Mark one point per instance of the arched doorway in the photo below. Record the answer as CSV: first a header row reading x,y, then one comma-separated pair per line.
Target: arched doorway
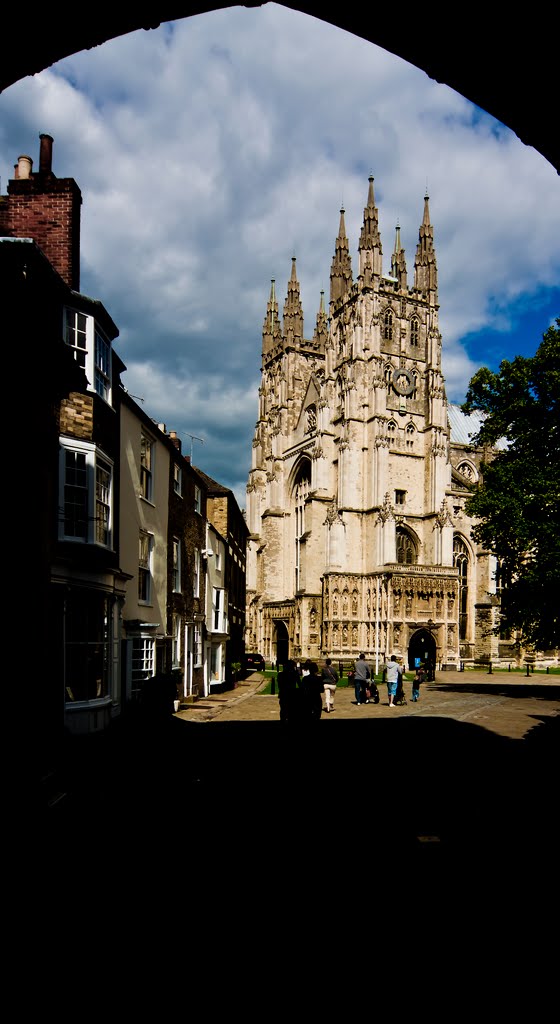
x,y
422,648
281,643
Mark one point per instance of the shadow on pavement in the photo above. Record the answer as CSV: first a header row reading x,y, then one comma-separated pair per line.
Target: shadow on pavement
x,y
416,790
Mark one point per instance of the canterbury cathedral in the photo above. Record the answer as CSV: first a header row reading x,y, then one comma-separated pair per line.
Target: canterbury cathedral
x,y
360,471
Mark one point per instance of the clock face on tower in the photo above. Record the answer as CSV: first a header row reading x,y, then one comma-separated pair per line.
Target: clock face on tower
x,y
403,381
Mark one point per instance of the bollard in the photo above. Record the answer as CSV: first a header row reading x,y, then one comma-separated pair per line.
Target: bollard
x,y
273,682
509,667
490,669
547,669
527,668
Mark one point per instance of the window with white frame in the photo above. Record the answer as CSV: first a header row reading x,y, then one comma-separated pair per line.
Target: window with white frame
x,y
177,479
102,365
143,660
103,476
216,662
176,564
197,499
92,350
176,641
146,466
85,494
197,645
146,543
196,573
218,610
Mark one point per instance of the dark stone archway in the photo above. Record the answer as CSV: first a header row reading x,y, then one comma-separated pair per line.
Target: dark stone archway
x,y
282,643
422,648
498,62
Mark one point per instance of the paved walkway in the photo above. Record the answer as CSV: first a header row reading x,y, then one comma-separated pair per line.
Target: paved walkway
x,y
507,704
464,780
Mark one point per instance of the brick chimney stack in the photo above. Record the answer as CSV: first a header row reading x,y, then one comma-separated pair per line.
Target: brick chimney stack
x,y
45,154
175,440
46,208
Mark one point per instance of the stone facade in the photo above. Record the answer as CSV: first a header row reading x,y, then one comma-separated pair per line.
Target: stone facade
x,y
355,500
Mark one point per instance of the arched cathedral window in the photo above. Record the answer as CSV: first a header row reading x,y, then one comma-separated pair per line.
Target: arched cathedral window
x,y
388,325
391,429
410,432
301,490
414,331
461,561
406,549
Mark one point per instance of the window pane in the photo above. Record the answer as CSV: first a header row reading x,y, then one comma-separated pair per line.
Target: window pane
x,y
75,495
102,501
87,647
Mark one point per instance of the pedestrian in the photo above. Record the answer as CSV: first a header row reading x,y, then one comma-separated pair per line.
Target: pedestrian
x,y
419,677
288,681
329,676
312,687
361,676
392,672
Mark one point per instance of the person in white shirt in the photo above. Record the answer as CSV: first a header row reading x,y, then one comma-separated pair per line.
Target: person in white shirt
x,y
391,671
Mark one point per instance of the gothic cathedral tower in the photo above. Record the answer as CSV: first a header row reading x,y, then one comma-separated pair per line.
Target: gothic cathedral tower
x,y
358,541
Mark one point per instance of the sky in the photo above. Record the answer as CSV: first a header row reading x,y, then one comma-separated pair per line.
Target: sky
x,y
213,149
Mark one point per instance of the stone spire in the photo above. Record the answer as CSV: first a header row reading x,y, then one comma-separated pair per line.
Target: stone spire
x,y
370,249
398,262
341,269
321,326
425,266
293,312
272,331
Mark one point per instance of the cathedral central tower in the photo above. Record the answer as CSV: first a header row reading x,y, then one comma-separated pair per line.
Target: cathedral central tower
x,y
350,493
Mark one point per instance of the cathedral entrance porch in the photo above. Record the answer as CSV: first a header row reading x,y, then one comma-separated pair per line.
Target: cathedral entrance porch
x,y
422,649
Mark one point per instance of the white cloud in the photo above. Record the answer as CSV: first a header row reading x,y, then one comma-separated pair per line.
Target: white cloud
x,y
212,150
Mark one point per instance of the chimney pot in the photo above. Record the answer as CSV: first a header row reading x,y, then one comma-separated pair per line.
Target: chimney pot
x,y
45,155
24,167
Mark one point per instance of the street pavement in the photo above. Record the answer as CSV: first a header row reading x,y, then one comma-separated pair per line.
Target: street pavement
x,y
467,778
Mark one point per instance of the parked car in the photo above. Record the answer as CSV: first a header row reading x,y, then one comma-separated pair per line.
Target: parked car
x,y
253,663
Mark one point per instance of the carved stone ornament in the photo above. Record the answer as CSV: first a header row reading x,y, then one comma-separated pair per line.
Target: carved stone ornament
x,y
333,515
386,512
403,381
443,517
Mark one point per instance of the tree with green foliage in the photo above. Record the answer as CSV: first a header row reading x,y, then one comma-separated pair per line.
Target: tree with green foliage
x,y
517,502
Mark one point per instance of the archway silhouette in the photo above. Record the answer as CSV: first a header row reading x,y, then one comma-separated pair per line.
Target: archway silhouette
x,y
497,63
422,649
282,642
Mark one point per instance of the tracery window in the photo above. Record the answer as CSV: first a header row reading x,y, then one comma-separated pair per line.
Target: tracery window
x,y
414,331
301,490
406,550
388,325
466,469
461,561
